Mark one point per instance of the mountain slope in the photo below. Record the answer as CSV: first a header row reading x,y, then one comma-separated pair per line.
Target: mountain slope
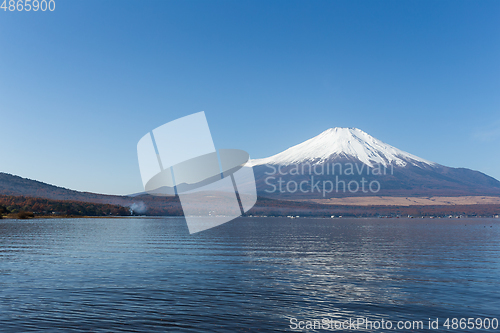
x,y
11,185
336,149
15,185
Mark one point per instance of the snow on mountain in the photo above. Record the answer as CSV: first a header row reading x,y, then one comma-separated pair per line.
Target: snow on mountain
x,y
350,143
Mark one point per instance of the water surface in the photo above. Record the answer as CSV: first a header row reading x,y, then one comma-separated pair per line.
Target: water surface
x,y
251,274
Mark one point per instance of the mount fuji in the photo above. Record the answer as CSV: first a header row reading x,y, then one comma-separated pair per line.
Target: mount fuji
x,y
343,155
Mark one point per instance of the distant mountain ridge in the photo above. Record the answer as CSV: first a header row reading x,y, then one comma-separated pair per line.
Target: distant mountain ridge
x,y
15,185
170,206
408,175
141,203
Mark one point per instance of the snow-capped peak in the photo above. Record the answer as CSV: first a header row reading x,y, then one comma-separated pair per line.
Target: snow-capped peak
x,y
350,143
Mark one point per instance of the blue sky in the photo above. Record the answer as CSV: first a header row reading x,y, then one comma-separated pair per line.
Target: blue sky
x,y
81,85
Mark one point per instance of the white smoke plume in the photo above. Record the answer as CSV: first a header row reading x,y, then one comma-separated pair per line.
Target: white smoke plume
x,y
138,208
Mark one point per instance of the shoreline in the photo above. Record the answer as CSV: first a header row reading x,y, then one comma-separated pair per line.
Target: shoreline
x,y
261,216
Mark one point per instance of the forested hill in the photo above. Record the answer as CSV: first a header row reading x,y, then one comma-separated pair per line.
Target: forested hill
x,y
11,185
18,186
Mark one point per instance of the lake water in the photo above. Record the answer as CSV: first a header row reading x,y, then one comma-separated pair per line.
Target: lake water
x,y
249,275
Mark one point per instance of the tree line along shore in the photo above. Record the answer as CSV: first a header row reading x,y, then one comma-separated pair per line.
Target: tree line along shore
x,y
21,207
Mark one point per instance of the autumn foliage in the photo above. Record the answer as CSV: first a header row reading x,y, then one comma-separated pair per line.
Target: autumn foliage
x,y
27,206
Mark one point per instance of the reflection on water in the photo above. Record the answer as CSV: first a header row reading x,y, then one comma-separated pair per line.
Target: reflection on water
x,y
146,274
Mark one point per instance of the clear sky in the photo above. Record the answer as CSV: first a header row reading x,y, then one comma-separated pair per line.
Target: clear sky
x,y
81,85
